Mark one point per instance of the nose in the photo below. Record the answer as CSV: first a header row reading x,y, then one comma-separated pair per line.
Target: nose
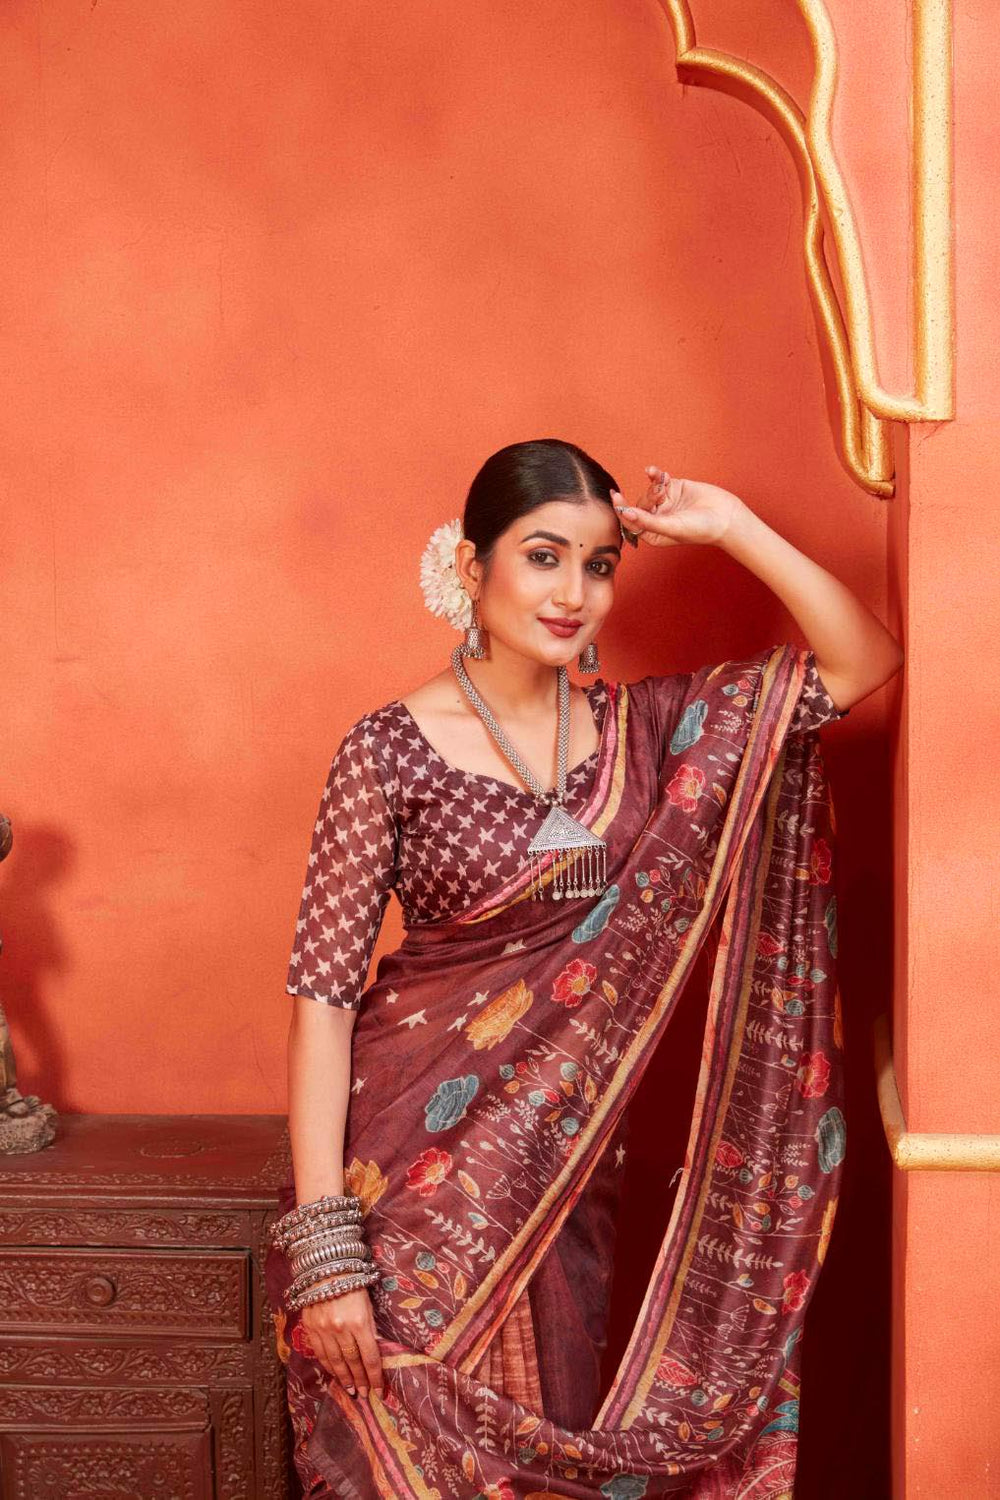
x,y
568,594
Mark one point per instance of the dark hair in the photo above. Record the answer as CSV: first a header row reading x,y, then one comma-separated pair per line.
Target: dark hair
x,y
517,479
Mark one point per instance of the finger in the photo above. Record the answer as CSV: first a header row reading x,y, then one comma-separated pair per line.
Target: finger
x,y
372,1356
649,527
619,501
350,1351
333,1362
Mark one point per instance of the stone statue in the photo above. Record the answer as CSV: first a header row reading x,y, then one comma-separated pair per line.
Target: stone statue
x,y
26,1124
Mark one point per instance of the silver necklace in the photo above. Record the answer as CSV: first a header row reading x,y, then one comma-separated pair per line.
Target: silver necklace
x,y
579,857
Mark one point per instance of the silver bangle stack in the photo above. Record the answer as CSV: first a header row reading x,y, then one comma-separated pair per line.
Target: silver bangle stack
x,y
320,1239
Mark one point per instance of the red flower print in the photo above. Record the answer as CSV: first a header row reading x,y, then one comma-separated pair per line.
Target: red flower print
x,y
767,946
813,1076
573,983
685,786
796,1285
728,1155
819,863
674,1374
500,1489
300,1341
430,1169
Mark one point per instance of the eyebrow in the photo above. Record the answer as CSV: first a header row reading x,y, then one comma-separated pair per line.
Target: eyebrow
x,y
550,536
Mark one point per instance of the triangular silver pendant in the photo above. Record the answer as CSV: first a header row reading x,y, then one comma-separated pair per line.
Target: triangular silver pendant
x,y
561,831
584,869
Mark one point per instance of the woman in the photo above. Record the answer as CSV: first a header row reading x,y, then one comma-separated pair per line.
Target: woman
x,y
561,854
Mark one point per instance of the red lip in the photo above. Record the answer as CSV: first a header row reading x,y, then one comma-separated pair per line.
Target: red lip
x,y
561,627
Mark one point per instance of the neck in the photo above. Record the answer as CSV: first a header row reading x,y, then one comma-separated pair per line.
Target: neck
x,y
514,686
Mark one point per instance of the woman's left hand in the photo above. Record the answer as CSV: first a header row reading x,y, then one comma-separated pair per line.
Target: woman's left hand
x,y
679,510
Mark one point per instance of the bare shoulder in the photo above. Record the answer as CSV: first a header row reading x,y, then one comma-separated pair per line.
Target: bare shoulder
x,y
437,696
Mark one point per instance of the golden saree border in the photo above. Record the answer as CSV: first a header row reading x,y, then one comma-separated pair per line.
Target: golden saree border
x,y
373,1429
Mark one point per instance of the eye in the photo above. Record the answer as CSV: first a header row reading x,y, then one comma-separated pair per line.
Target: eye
x,y
603,566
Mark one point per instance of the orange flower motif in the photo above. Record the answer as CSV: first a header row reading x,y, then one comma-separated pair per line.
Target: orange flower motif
x,y
495,1020
574,982
685,786
367,1180
426,1174
813,1076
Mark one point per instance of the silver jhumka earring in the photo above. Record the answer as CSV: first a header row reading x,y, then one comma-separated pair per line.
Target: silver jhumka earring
x,y
588,660
476,636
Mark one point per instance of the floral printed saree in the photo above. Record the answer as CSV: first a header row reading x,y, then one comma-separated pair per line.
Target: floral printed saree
x,y
481,1139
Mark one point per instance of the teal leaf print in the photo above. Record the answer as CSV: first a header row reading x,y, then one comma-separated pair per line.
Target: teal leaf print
x,y
625,1486
831,1136
787,1422
449,1101
598,916
688,729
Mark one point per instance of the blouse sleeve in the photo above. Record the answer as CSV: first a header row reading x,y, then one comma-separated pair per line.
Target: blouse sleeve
x,y
351,872
814,706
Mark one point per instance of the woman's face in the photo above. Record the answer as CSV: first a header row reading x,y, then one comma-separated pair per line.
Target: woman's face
x,y
557,563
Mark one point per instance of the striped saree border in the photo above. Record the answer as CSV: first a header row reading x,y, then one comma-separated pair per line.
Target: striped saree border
x,y
375,1433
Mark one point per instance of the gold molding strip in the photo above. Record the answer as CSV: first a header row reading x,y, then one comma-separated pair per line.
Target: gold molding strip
x,y
864,404
924,1151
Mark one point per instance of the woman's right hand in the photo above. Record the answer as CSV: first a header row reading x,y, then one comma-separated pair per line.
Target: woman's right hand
x,y
341,1331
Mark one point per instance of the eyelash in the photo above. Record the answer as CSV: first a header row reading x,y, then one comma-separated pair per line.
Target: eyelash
x,y
608,568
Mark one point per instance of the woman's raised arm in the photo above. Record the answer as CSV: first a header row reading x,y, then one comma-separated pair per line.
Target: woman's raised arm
x,y
854,652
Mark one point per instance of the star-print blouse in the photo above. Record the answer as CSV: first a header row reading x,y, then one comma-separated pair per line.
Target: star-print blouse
x,y
396,816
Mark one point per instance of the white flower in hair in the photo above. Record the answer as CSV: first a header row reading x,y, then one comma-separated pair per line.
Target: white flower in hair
x,y
444,593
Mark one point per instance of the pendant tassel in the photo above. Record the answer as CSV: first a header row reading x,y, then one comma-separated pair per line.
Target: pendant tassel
x,y
575,871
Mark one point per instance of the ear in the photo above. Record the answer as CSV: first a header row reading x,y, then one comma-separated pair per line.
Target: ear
x,y
468,569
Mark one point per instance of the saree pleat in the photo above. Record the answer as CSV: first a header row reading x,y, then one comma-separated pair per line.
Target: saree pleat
x,y
484,1141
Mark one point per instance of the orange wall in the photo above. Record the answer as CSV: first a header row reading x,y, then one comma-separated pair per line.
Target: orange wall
x,y
945,547
278,280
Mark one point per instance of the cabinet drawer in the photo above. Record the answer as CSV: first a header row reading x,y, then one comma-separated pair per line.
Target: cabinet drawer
x,y
112,1465
193,1293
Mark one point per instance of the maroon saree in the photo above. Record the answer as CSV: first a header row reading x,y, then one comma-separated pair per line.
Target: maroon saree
x,y
481,1139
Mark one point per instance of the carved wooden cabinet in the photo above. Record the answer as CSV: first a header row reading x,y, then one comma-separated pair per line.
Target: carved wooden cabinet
x,y
137,1348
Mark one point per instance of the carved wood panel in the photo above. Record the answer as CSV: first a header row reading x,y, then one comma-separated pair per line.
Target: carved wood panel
x,y
109,1466
151,1291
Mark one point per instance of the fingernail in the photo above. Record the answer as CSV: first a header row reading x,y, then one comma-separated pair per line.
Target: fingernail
x,y
351,1390
627,510
364,1390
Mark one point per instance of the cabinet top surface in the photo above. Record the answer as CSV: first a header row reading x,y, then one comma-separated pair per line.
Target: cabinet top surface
x,y
236,1157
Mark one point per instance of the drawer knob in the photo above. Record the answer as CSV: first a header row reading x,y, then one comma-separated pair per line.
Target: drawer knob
x,y
99,1290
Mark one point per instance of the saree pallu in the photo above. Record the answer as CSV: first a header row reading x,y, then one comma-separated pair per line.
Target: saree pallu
x,y
494,1058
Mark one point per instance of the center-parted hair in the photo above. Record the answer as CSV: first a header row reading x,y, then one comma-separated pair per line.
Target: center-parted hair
x,y
519,478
